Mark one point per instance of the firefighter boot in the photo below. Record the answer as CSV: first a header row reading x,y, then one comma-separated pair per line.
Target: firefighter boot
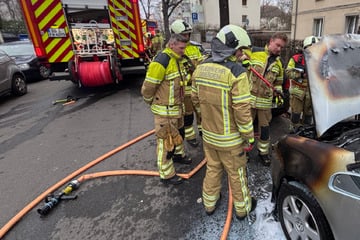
x,y
210,212
175,180
265,160
177,158
253,206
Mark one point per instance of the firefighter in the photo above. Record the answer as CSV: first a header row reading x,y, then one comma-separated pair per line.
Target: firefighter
x,y
221,94
266,61
163,90
148,46
300,101
157,42
192,57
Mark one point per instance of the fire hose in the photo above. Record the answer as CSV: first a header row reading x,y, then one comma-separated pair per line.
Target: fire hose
x,y
52,200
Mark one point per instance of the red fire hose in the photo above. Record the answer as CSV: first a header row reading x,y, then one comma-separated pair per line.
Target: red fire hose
x,y
265,81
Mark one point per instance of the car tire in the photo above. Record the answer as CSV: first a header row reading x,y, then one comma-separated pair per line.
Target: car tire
x,y
18,85
44,71
300,214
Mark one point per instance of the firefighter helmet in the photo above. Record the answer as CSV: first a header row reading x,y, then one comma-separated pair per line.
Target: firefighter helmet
x,y
180,27
308,41
234,36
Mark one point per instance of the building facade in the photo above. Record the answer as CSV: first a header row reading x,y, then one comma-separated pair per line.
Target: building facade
x,y
322,17
244,13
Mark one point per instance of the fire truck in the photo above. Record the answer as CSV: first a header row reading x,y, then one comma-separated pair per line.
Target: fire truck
x,y
149,26
90,42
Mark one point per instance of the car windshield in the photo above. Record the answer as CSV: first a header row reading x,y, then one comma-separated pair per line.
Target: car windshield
x,y
18,49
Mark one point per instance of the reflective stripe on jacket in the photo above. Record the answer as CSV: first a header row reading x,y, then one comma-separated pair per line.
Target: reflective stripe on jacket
x,y
162,87
299,85
220,92
272,69
193,54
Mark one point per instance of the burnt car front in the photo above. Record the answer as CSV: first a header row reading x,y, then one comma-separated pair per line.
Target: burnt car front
x,y
308,164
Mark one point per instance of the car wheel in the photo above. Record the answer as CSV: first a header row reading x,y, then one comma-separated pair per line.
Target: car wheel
x,y
300,214
44,72
18,85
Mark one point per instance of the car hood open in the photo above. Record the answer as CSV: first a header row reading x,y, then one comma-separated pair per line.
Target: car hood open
x,y
333,67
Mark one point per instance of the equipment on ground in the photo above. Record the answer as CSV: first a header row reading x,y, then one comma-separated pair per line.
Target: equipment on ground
x,y
53,199
90,42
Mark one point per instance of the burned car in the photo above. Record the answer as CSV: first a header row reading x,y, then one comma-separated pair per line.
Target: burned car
x,y
316,172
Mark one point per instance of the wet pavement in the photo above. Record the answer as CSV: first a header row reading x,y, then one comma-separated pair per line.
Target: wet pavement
x,y
119,207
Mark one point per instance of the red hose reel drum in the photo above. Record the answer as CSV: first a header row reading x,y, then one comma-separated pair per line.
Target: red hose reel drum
x,y
94,74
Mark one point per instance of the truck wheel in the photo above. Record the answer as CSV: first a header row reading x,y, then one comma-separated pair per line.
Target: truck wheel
x,y
73,75
115,70
18,85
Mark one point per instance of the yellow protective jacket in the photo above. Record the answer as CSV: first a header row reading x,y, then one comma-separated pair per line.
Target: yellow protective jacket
x,y
191,59
221,93
298,81
163,85
271,67
157,43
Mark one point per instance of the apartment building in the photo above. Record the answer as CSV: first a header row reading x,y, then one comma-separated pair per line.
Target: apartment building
x,y
321,17
244,13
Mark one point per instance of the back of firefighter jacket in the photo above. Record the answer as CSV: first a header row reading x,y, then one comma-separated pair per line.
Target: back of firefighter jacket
x,y
220,92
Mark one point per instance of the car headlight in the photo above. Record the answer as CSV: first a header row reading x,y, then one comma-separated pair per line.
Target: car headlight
x,y
24,66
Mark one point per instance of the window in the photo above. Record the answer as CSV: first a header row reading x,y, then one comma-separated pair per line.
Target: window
x,y
351,24
318,27
245,21
244,2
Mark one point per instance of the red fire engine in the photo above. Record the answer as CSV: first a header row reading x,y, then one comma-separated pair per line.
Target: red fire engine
x,y
96,41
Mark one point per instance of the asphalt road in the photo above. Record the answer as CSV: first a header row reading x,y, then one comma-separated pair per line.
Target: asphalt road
x,y
42,143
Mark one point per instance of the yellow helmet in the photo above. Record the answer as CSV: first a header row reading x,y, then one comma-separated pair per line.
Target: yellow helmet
x,y
234,36
180,27
310,40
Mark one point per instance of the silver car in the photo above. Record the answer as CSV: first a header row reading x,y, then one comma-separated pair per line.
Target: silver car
x,y
316,172
12,80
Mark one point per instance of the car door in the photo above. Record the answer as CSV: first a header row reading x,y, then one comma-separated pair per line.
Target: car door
x,y
5,82
347,211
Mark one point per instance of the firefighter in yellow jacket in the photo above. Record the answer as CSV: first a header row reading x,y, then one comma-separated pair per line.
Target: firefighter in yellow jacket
x,y
300,101
157,42
192,58
266,61
221,94
163,89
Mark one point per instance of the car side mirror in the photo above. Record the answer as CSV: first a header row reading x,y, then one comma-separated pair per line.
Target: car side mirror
x,y
346,183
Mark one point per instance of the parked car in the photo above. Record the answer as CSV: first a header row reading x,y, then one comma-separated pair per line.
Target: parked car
x,y
12,80
316,172
24,54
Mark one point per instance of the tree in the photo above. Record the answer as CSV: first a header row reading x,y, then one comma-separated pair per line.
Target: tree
x,y
146,6
10,10
168,7
281,11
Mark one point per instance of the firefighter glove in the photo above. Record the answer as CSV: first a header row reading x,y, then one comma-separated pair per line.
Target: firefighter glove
x,y
249,145
279,101
246,63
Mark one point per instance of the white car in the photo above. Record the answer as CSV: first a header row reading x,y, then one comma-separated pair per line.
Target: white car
x,y
12,80
316,172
